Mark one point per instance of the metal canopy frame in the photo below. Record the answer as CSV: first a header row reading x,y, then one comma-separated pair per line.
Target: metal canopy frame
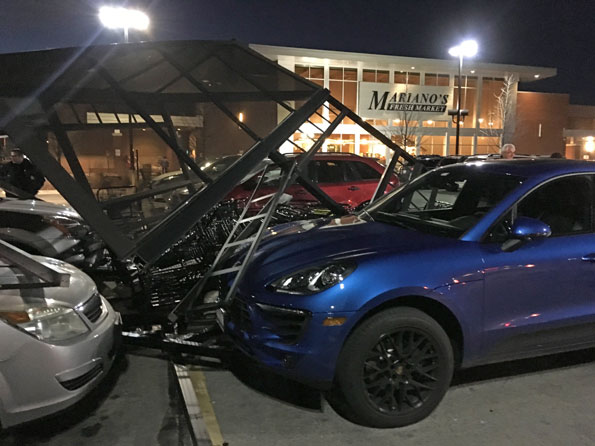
x,y
38,275
147,79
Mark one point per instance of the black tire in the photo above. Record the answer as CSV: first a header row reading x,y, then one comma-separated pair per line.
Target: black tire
x,y
394,369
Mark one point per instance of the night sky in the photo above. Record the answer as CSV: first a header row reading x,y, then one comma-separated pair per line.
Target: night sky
x,y
548,33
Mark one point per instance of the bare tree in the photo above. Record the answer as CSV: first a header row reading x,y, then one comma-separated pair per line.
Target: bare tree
x,y
504,112
406,130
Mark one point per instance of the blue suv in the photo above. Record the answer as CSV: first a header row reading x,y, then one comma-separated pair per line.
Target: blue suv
x,y
468,264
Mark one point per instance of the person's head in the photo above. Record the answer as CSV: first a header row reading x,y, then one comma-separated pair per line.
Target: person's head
x,y
507,151
16,156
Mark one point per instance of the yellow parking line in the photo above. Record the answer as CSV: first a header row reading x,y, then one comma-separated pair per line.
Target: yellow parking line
x,y
199,384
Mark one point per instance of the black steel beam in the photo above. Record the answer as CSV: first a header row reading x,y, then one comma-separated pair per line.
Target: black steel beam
x,y
384,180
173,135
68,150
181,220
397,150
199,86
103,126
156,100
305,182
131,198
31,267
180,76
19,193
372,130
275,156
23,133
151,123
269,94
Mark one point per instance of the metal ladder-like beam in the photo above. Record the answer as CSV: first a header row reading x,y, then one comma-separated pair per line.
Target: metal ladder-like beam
x,y
249,231
237,238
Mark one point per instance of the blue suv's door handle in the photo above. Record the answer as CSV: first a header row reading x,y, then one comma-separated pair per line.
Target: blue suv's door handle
x,y
589,258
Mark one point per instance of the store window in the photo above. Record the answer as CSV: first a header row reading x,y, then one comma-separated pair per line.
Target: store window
x,y
302,141
465,145
442,80
338,142
407,77
432,145
316,76
488,144
371,147
379,76
343,86
468,98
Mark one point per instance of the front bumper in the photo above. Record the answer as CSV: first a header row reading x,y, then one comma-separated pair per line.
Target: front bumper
x,y
307,352
39,379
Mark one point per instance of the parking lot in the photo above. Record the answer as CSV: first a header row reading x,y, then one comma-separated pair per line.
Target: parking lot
x,y
546,401
193,231
137,404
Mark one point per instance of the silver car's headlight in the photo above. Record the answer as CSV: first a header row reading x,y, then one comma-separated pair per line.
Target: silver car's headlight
x,y
49,324
313,280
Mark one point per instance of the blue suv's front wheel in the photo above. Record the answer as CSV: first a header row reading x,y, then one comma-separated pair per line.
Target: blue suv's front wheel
x,y
393,370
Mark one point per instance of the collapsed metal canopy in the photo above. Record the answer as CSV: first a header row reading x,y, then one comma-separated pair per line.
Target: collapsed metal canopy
x,y
66,90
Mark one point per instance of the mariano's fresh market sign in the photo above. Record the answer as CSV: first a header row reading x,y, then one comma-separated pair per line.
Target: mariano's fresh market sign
x,y
400,101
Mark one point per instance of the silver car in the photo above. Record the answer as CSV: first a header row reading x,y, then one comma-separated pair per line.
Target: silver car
x,y
49,229
56,343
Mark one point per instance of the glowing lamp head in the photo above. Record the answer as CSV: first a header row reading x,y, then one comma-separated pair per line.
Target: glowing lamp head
x,y
123,18
468,48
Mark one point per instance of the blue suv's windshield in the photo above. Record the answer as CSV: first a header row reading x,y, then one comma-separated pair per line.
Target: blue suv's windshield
x,y
446,202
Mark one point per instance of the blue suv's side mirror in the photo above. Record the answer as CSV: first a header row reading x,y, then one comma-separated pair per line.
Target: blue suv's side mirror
x,y
526,228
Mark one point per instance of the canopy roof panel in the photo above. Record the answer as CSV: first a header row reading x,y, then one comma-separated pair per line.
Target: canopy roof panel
x,y
164,70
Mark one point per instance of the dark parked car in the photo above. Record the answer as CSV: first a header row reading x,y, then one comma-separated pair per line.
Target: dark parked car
x,y
468,264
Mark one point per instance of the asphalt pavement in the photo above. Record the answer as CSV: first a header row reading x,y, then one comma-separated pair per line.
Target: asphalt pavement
x,y
138,404
543,401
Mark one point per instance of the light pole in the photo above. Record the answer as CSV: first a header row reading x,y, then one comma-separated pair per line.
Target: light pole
x,y
468,48
123,18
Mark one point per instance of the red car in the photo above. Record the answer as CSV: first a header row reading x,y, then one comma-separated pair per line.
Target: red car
x,y
348,179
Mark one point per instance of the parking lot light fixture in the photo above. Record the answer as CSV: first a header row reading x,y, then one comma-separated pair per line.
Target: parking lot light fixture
x,y
467,48
123,18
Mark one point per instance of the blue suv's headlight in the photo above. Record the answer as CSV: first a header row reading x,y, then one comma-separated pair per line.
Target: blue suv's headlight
x,y
314,279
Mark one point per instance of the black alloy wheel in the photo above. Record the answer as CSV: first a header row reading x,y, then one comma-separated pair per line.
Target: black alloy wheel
x,y
394,369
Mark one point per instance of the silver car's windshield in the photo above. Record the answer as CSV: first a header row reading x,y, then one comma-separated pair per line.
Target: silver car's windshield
x,y
445,201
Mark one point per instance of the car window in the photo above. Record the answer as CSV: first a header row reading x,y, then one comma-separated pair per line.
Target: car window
x,y
563,204
351,172
328,171
365,171
447,202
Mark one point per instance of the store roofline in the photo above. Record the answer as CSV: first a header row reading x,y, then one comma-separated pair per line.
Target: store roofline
x,y
381,61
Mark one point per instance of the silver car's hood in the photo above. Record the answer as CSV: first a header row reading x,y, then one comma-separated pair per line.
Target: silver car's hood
x,y
38,207
79,290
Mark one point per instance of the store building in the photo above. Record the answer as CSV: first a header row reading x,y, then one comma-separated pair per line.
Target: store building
x,y
406,98
410,98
